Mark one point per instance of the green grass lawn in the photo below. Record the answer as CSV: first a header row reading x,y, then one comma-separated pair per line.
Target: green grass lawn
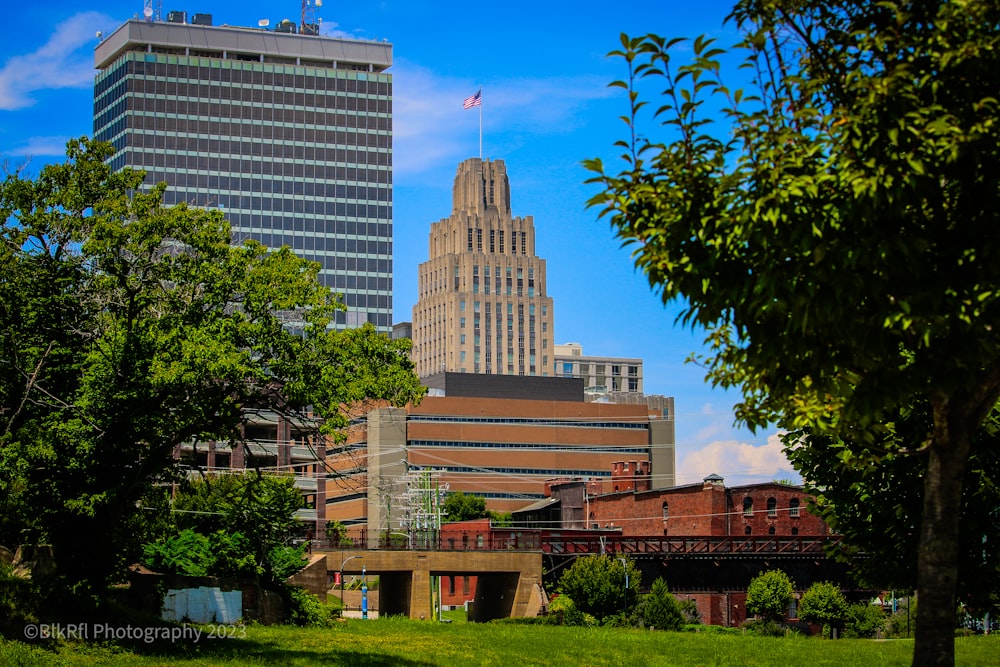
x,y
397,641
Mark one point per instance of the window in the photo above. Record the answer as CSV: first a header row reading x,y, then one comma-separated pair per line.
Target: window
x,y
772,507
793,508
770,530
747,531
747,506
666,511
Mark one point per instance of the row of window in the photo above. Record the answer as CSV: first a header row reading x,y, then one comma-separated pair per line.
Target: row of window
x,y
531,421
277,121
254,73
191,84
239,188
497,241
531,447
772,507
550,472
255,139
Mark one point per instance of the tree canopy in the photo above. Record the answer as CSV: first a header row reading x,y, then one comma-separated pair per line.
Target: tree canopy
x,y
130,329
596,584
459,506
769,595
823,603
833,226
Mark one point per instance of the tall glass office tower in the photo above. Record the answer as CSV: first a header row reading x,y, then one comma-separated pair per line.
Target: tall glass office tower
x,y
289,134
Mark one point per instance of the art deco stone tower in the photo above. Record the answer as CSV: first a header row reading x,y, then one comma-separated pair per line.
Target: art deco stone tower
x,y
482,306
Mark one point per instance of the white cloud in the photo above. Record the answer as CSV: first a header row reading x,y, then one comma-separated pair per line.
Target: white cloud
x,y
62,62
738,462
432,130
40,147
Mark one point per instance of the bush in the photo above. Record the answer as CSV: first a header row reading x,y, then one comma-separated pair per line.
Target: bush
x,y
769,595
304,608
689,609
187,553
864,621
286,561
660,609
825,605
764,627
903,623
597,584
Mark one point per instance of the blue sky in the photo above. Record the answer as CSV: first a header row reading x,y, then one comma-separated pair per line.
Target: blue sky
x,y
544,72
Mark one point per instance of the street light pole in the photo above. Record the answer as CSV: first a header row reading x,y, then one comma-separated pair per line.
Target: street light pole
x,y
349,558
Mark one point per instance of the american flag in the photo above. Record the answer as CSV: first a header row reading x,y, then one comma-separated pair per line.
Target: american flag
x,y
473,101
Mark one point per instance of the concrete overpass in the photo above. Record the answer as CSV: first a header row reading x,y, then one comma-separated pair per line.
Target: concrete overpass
x,y
509,582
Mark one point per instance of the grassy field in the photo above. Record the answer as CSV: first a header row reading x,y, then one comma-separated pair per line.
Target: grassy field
x,y
411,643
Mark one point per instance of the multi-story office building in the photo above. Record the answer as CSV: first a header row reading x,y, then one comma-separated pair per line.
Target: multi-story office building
x,y
496,437
289,134
601,375
609,379
482,305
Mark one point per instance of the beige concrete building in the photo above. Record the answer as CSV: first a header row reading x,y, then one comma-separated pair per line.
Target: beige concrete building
x,y
482,305
609,379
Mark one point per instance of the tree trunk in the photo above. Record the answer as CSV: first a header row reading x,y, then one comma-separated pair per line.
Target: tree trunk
x,y
937,564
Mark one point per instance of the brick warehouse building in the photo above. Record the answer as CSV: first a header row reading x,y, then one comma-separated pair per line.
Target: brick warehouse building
x,y
708,508
783,535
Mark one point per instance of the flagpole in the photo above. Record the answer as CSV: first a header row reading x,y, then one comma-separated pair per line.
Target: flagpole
x,y
480,124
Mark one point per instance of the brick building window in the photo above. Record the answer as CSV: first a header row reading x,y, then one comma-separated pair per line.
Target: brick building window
x,y
748,506
666,511
747,530
770,530
793,507
772,507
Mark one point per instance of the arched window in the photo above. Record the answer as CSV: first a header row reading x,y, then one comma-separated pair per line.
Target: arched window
x,y
795,531
747,530
747,506
793,507
770,530
772,507
666,511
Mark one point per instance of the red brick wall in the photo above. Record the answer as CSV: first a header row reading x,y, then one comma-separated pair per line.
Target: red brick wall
x,y
761,521
708,509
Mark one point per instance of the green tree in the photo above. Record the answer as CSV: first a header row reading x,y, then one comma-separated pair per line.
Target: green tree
x,y
769,595
459,506
596,584
878,507
836,233
249,518
131,328
825,605
660,609
187,552
864,621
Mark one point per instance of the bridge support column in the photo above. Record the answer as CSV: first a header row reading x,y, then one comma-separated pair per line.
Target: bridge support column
x,y
420,590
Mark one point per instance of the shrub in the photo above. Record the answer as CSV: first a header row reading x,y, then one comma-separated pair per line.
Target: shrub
x,y
304,608
825,605
597,584
660,609
187,553
864,621
769,595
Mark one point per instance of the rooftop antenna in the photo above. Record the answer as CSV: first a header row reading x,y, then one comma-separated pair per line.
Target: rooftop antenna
x,y
147,9
309,21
